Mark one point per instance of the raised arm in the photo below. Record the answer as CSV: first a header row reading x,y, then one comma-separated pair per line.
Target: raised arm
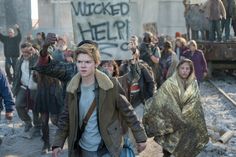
x,y
2,37
18,36
60,70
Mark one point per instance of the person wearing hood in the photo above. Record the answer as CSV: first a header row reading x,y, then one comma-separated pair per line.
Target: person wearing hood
x,y
174,115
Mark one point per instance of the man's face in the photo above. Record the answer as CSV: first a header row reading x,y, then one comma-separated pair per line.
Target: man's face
x,y
134,59
39,37
133,43
26,53
86,65
109,67
10,33
61,45
192,48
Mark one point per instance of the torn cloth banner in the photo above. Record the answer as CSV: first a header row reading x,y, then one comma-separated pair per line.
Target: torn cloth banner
x,y
105,21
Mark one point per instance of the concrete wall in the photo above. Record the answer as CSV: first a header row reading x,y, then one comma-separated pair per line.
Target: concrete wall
x,y
2,25
167,14
15,12
2,16
55,17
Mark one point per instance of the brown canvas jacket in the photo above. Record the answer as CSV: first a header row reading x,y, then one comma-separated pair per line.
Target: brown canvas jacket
x,y
109,109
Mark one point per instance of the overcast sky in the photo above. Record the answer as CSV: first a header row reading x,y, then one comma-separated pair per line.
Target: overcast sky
x,y
34,9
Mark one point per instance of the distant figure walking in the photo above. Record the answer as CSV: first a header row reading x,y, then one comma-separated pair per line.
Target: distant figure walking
x,y
11,50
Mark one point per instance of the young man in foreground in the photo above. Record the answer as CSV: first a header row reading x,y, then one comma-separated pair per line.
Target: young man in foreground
x,y
100,134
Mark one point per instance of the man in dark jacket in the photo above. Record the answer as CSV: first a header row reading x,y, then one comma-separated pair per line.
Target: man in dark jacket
x,y
6,97
11,50
150,53
24,100
139,85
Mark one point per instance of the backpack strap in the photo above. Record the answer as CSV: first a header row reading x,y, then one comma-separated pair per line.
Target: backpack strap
x,y
88,115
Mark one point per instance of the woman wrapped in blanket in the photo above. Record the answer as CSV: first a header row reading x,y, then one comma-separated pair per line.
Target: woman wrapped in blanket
x,y
174,115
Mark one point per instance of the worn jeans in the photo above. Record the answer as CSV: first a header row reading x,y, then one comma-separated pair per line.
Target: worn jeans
x,y
45,127
215,28
226,26
10,63
22,109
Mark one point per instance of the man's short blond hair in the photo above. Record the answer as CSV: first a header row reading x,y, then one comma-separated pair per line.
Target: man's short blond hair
x,y
90,50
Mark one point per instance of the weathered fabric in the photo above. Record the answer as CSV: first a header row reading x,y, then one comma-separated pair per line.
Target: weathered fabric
x,y
175,118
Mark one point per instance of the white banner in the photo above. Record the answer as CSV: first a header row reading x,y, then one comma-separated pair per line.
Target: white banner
x,y
196,1
105,21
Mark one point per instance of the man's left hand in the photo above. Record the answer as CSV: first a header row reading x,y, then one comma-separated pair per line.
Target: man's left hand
x,y
16,26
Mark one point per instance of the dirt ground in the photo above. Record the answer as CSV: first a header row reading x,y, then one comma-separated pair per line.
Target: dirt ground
x,y
16,143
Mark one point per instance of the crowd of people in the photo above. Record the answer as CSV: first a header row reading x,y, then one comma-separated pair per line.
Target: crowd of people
x,y
100,106
213,19
95,104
